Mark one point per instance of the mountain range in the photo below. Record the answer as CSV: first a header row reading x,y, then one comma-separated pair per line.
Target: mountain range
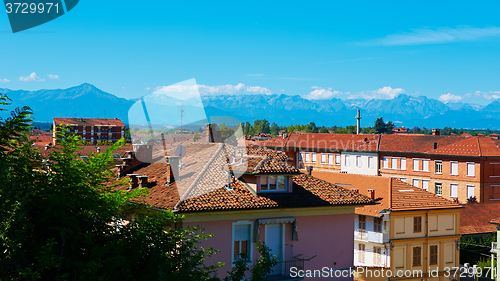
x,y
86,100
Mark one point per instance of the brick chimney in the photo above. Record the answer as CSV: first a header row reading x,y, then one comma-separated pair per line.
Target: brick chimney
x,y
134,181
355,190
172,169
371,193
98,150
436,132
435,145
143,181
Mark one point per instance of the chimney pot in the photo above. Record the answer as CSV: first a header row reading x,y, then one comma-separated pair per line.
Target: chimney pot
x,y
172,168
371,192
309,170
355,190
436,132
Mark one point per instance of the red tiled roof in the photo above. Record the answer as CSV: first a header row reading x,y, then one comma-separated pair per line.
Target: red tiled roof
x,y
407,197
389,192
475,218
362,184
307,192
89,121
326,141
415,143
206,190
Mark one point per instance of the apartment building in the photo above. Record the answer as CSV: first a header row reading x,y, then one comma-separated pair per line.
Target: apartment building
x,y
356,154
305,221
455,167
92,129
409,230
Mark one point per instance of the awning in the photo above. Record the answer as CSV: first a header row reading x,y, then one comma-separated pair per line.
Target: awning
x,y
291,220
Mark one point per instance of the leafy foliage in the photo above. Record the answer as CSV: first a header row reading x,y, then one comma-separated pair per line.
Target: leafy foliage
x,y
64,219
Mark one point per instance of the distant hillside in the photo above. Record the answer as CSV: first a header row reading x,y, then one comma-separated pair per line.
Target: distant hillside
x,y
88,101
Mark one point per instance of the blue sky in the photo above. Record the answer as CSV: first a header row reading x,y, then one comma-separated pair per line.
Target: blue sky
x,y
320,50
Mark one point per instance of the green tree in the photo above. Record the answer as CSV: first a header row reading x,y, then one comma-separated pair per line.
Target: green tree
x,y
248,130
63,218
379,125
275,129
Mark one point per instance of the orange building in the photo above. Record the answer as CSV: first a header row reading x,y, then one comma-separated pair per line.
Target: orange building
x,y
92,129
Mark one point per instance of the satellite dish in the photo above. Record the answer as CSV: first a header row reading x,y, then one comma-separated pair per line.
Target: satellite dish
x,y
180,151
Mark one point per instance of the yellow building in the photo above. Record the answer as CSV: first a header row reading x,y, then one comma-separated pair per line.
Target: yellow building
x,y
424,232
419,230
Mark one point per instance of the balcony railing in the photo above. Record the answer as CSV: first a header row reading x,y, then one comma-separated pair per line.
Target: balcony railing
x,y
282,270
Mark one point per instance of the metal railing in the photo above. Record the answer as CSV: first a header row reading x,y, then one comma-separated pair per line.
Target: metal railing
x,y
282,270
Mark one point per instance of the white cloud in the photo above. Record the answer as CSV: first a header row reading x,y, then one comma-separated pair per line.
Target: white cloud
x,y
52,76
214,90
147,88
322,94
449,98
31,77
491,95
434,36
385,93
4,80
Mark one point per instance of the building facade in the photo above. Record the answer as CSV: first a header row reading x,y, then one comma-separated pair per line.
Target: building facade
x,y
92,129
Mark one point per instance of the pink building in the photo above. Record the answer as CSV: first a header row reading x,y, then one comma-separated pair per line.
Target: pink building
x,y
307,222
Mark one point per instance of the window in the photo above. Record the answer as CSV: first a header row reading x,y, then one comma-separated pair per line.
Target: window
x,y
470,191
370,162
323,158
377,252
386,163
403,163
470,169
358,161
415,182
394,163
313,157
281,183
301,157
454,190
439,167
361,253
241,240
454,168
438,188
425,165
415,165
433,252
417,224
330,159
417,256
337,159
425,185
273,183
362,222
307,157
377,225
347,160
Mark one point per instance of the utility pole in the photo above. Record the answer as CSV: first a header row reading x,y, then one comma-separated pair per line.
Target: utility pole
x,y
358,122
182,111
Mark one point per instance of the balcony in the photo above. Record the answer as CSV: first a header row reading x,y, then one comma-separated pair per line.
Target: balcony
x,y
282,270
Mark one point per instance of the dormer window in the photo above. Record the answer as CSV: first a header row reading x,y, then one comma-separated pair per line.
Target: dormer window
x,y
273,183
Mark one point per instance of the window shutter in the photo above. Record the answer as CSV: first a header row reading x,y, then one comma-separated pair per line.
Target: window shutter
x,y
415,165
454,168
470,169
403,163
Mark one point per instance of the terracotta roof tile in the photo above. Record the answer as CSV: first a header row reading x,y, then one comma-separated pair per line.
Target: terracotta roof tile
x,y
381,186
408,197
475,218
88,121
207,189
389,192
332,142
